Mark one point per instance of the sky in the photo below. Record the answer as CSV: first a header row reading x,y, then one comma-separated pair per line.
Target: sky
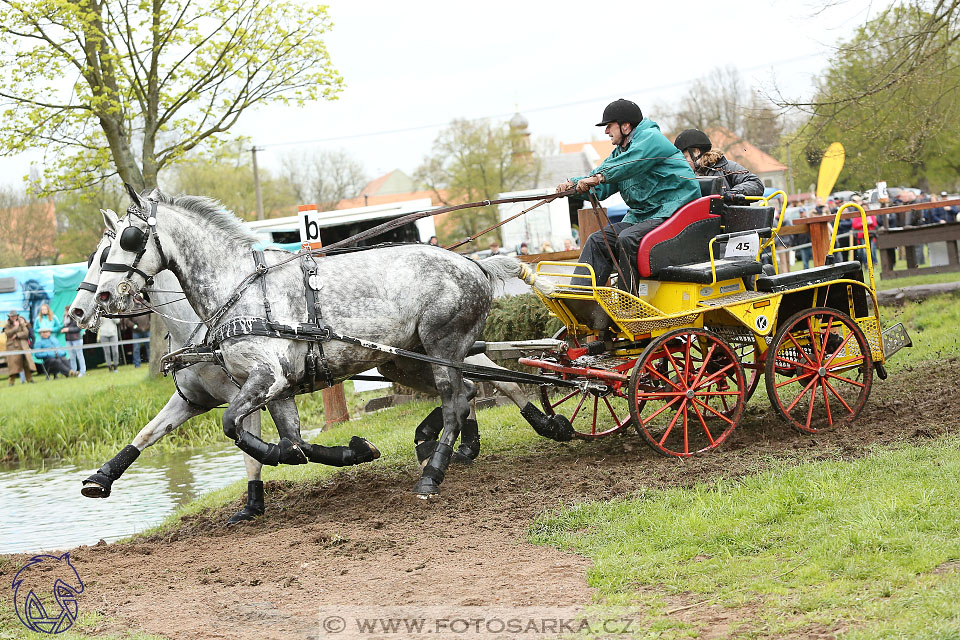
x,y
412,67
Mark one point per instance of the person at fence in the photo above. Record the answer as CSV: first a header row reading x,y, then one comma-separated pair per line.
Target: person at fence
x,y
139,328
857,229
17,331
494,248
707,161
74,337
53,357
433,241
46,320
524,249
651,176
950,213
109,335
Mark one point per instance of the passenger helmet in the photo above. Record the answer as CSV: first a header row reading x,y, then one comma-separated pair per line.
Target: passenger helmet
x,y
621,111
693,138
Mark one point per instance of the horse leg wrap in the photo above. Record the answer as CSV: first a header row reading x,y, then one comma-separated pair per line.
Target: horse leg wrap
x,y
426,433
268,454
357,452
469,447
254,506
101,481
553,427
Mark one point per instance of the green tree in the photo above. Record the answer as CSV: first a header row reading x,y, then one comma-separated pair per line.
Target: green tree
x,y
226,173
892,96
475,160
79,223
128,88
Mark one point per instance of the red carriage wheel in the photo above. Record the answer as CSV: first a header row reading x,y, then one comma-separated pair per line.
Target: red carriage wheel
x,y
687,392
819,370
598,409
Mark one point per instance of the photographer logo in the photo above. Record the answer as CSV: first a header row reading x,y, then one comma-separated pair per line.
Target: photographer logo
x,y
45,593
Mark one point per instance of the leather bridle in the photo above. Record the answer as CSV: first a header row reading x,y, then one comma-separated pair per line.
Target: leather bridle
x,y
134,238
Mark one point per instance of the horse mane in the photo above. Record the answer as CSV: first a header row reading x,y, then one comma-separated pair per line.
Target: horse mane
x,y
212,212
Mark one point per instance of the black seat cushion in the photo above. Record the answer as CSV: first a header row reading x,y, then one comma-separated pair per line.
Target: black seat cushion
x,y
702,273
816,275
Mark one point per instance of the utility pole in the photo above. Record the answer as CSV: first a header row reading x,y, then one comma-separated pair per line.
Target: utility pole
x,y
256,184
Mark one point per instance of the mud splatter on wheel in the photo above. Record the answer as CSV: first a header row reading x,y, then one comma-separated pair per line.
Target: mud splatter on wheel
x,y
819,370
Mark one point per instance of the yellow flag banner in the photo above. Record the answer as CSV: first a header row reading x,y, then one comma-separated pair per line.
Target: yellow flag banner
x,y
830,167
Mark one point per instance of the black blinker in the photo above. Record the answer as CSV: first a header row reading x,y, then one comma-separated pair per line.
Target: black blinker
x,y
132,239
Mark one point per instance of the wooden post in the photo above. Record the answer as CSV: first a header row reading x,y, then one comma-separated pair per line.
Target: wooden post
x,y
334,398
587,221
334,405
819,242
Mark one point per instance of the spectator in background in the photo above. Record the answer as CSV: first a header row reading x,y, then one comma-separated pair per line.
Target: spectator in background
x,y
950,213
46,320
859,254
494,248
74,338
433,241
139,328
17,331
524,249
54,359
109,335
805,253
547,247
568,244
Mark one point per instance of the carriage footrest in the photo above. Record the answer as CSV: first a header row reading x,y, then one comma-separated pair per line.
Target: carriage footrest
x,y
894,339
702,272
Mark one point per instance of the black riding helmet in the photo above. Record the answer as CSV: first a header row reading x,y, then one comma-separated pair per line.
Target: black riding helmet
x,y
621,111
693,138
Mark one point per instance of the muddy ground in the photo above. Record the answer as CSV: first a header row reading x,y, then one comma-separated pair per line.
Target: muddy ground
x,y
361,538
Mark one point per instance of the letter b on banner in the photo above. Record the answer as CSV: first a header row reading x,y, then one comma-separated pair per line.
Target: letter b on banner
x,y
309,226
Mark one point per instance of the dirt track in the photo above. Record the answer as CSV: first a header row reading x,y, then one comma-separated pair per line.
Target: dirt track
x,y
361,538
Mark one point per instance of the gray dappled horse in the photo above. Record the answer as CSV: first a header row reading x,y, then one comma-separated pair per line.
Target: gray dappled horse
x,y
413,297
203,386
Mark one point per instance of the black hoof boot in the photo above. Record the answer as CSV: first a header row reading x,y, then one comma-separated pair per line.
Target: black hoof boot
x,y
363,450
553,427
469,447
254,506
97,486
426,488
291,453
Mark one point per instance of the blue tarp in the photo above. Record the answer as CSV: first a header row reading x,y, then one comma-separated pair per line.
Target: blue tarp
x,y
54,284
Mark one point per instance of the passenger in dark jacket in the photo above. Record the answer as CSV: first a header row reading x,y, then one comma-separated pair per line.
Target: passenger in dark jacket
x,y
706,161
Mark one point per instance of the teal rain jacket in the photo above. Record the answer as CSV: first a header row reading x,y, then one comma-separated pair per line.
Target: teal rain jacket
x,y
651,175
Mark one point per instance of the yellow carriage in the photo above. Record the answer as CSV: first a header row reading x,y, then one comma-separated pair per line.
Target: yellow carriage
x,y
679,355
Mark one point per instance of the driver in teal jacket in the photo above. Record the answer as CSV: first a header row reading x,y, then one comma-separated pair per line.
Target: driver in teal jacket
x,y
650,174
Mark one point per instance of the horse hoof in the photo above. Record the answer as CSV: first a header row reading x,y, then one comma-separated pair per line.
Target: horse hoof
x,y
426,488
466,453
96,486
363,449
244,515
292,453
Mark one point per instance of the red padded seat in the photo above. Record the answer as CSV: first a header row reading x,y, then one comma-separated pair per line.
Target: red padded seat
x,y
683,238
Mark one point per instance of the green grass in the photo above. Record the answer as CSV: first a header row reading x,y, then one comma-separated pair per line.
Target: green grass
x,y
83,628
94,416
933,326
867,545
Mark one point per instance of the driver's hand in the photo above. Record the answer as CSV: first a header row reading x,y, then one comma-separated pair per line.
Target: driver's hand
x,y
564,186
586,183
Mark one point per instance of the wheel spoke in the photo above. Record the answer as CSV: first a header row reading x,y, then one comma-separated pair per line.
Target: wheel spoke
x,y
709,380
800,395
712,410
676,367
800,349
839,397
579,404
823,343
794,379
703,367
616,419
839,349
686,358
660,410
594,427
826,401
662,377
853,382
666,433
703,423
794,363
813,339
564,398
813,396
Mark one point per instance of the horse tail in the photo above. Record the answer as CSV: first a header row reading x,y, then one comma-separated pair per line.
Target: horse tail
x,y
500,268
